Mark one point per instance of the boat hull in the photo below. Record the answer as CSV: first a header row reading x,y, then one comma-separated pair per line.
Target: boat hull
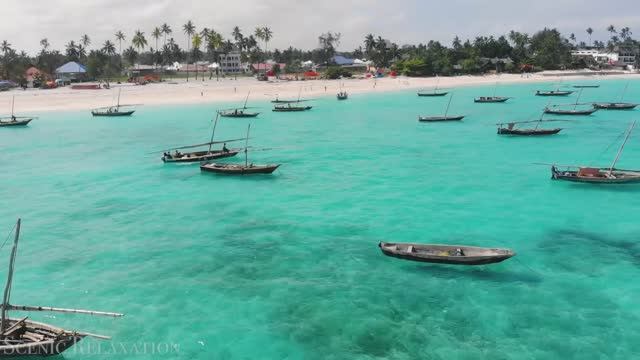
x,y
619,176
239,115
615,106
490,100
439,118
553,93
586,86
15,123
292,109
570,112
445,254
235,169
528,132
113,114
199,156
432,94
53,340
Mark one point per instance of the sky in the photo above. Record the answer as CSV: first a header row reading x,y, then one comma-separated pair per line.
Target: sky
x,y
299,22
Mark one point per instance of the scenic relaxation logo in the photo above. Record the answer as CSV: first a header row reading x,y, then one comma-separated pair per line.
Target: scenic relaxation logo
x,y
96,348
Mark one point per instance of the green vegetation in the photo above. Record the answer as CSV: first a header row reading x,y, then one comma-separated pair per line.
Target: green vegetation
x,y
336,72
547,49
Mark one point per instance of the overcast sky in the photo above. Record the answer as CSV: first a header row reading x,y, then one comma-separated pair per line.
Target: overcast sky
x,y
299,22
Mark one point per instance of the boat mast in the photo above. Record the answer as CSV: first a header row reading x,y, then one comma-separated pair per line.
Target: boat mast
x,y
624,91
495,89
449,104
246,146
215,123
7,289
247,99
118,106
299,93
437,83
578,99
13,102
622,147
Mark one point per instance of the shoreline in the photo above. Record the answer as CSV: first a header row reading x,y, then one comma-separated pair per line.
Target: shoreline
x,y
181,92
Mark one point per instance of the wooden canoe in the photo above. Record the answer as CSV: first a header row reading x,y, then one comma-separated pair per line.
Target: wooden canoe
x,y
237,114
198,156
440,118
569,112
113,113
36,339
432,94
238,169
615,106
596,175
287,108
15,122
446,254
528,132
554,93
490,99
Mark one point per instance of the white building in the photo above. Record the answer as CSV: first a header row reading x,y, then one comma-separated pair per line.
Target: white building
x,y
597,55
231,62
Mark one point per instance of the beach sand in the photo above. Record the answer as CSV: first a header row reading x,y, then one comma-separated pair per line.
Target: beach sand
x,y
229,90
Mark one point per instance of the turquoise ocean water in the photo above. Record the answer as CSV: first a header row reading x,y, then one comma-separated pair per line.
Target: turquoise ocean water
x,y
287,266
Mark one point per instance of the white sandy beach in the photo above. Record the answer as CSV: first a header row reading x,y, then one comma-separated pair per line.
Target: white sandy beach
x,y
234,91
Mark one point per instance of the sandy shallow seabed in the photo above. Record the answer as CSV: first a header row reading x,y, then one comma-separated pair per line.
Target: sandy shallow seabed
x,y
229,90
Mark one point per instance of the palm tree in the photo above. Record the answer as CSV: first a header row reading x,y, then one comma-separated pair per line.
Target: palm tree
x,y
589,31
611,29
85,40
131,55
109,48
6,49
625,33
189,29
572,37
156,35
139,41
267,35
166,30
120,37
45,44
369,44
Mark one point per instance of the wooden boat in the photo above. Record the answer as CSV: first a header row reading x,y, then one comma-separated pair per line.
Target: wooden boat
x,y
202,155
113,111
491,99
433,93
240,169
291,108
596,175
13,120
240,112
237,113
614,106
445,117
342,95
619,105
511,129
549,110
278,101
554,109
554,93
21,337
586,86
446,254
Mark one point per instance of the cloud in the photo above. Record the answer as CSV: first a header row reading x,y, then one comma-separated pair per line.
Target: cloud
x,y
298,23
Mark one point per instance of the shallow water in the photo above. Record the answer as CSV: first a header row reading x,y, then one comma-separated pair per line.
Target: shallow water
x,y
287,266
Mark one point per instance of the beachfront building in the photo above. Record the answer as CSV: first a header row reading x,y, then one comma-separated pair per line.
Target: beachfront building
x,y
231,63
627,56
597,56
71,72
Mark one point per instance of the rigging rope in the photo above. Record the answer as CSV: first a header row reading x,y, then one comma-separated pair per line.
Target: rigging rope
x,y
527,266
8,236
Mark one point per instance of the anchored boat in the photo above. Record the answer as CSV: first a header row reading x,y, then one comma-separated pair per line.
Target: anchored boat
x,y
14,120
240,112
114,110
445,117
446,254
596,175
240,169
21,337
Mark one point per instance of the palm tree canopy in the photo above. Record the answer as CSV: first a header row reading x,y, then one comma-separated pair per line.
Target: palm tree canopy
x,y
85,40
259,33
156,33
589,31
44,43
109,48
611,29
189,28
196,42
166,29
267,34
139,41
5,46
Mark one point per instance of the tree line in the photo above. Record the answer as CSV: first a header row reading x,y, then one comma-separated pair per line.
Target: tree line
x,y
544,49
